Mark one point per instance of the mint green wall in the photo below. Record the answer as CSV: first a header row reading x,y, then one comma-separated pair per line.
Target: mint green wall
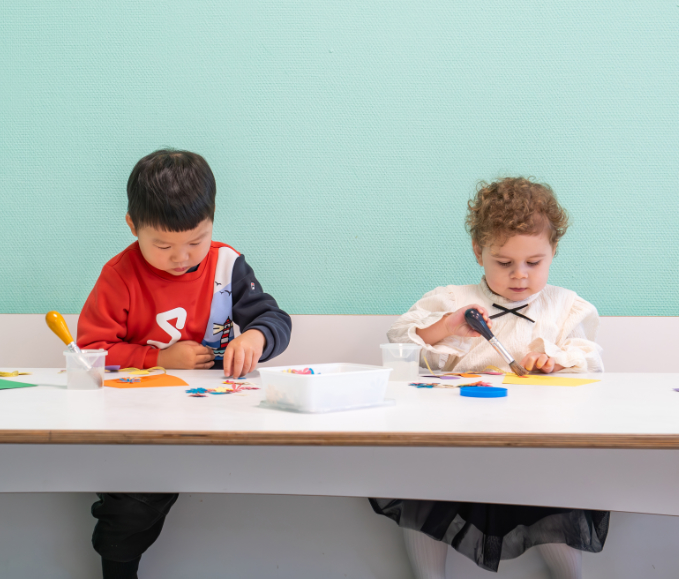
x,y
345,138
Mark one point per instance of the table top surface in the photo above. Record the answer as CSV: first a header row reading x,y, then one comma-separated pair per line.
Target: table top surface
x,y
620,411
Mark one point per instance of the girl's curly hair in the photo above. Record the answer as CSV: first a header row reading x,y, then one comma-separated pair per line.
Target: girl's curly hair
x,y
514,206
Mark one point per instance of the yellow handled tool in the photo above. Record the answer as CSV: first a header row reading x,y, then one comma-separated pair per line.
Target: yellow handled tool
x,y
57,323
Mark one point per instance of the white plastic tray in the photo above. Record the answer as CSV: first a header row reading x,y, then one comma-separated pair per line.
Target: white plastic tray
x,y
333,387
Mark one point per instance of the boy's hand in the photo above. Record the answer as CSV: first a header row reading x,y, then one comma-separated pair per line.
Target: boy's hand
x,y
540,362
243,353
456,325
186,355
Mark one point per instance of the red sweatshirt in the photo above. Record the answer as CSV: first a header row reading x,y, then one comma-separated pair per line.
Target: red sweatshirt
x,y
132,306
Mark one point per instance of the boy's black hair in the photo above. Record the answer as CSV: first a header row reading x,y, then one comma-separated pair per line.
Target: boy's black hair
x,y
171,190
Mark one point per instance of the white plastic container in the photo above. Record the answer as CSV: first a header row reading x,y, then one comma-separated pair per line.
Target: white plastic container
x,y
78,375
333,387
403,359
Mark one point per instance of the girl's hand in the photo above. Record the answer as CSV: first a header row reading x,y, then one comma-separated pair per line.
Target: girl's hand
x,y
186,355
456,325
243,353
540,362
452,325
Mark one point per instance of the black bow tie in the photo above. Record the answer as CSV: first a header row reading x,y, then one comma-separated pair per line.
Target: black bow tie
x,y
515,311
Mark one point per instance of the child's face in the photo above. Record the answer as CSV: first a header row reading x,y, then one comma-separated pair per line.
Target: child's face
x,y
519,268
173,251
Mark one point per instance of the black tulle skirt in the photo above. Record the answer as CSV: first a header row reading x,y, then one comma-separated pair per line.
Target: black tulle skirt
x,y
489,533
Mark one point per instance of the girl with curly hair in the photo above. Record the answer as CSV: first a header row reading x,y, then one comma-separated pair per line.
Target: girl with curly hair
x,y
515,226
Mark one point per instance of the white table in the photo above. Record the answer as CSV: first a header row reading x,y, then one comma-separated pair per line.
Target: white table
x,y
611,445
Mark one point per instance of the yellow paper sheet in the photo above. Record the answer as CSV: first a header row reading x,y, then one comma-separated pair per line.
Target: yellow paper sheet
x,y
546,380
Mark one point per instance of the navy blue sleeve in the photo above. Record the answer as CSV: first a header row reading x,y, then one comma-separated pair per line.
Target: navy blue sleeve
x,y
255,310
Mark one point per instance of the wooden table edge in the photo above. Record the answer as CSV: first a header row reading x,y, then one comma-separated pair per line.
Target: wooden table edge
x,y
420,439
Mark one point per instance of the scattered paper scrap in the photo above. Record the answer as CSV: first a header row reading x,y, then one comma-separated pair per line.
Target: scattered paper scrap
x,y
13,374
537,380
442,377
436,385
245,385
236,388
137,371
493,371
10,384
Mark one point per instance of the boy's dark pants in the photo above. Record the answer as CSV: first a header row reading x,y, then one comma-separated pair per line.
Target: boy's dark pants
x,y
128,524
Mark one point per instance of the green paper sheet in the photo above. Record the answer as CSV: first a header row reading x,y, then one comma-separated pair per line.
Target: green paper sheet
x,y
7,384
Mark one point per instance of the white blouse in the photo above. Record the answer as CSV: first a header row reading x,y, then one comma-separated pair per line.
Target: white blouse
x,y
565,329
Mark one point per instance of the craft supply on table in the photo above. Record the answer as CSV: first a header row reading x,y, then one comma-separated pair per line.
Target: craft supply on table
x,y
332,388
56,322
544,380
452,376
161,380
437,385
84,368
241,385
483,391
135,371
476,322
306,371
235,388
11,384
14,374
403,359
424,357
493,371
112,368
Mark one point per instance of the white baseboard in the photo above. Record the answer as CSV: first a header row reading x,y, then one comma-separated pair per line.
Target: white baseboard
x,y
631,344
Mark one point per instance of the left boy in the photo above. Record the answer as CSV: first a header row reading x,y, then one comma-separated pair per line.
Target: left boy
x,y
170,299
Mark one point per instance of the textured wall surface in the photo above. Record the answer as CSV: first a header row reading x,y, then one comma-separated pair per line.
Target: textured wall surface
x,y
345,138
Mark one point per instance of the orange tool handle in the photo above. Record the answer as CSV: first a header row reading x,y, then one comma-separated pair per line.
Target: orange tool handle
x,y
57,324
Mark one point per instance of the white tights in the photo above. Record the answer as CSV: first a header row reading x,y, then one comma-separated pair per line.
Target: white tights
x,y
563,561
428,557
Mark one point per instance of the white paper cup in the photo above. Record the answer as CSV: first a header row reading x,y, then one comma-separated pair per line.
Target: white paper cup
x,y
403,359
